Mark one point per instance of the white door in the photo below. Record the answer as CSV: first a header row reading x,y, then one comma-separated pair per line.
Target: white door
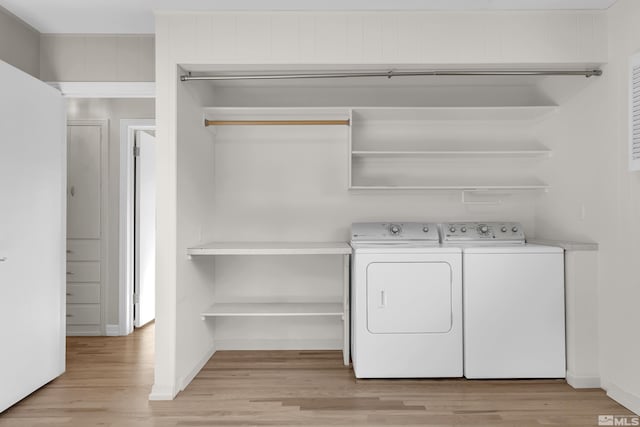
x,y
32,234
145,226
409,297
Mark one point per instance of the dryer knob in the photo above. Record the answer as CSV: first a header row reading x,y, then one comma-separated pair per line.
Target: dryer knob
x,y
503,229
395,229
425,229
484,229
514,229
452,229
463,229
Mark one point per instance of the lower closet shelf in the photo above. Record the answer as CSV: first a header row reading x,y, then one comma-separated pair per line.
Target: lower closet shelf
x,y
273,309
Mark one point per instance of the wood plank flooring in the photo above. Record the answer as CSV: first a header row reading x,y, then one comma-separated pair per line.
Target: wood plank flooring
x,y
108,380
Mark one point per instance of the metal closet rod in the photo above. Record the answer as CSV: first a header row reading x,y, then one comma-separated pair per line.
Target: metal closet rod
x,y
390,74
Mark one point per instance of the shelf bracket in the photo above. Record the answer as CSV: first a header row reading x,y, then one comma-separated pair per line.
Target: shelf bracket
x,y
478,202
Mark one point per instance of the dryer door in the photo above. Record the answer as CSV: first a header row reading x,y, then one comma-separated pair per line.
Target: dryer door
x,y
409,297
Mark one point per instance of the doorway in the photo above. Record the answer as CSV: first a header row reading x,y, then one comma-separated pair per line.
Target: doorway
x,y
137,224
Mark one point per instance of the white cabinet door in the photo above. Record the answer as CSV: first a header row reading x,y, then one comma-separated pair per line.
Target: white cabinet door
x,y
32,234
84,147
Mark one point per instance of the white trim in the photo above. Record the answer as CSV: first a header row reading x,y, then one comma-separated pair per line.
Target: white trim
x,y
125,287
106,89
577,381
628,400
113,330
104,212
186,380
162,393
278,344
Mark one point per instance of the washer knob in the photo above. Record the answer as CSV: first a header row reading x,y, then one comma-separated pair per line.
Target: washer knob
x,y
514,229
484,229
463,229
425,229
395,229
503,229
452,229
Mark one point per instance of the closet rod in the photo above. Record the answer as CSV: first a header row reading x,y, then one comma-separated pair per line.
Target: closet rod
x,y
275,122
390,74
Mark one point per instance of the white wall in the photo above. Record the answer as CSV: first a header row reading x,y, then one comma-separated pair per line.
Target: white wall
x,y
114,110
620,283
195,156
96,58
19,43
596,198
504,38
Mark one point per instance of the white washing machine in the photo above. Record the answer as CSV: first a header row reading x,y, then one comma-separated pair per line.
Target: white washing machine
x,y
513,299
406,302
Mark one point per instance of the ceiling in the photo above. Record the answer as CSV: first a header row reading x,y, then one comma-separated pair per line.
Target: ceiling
x,y
136,16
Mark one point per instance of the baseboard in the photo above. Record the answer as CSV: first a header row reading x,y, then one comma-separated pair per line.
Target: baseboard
x,y
626,399
579,381
113,330
186,380
83,333
294,344
162,392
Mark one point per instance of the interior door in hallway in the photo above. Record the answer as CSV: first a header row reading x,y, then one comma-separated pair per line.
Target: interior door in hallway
x,y
145,229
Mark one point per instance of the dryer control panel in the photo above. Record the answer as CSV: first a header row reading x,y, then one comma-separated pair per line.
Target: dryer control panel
x,y
394,231
471,232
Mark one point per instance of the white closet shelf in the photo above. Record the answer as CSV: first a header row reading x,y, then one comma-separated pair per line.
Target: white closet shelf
x,y
273,309
271,248
474,187
252,114
453,113
452,153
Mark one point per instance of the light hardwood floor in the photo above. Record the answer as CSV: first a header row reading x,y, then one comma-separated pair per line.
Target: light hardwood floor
x,y
108,380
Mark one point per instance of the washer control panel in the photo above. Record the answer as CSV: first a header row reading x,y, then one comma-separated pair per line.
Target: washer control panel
x,y
390,231
511,232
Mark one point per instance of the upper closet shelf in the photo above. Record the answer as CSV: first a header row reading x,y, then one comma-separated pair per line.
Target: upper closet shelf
x,y
452,153
271,248
239,116
453,113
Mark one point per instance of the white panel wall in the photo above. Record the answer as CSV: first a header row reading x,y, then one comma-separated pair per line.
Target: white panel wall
x,y
388,37
96,58
329,39
596,198
195,158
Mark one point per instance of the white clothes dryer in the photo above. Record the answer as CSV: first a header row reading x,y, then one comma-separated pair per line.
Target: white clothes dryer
x,y
406,302
513,299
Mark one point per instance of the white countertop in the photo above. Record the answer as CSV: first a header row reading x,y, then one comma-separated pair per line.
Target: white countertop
x,y
566,244
271,248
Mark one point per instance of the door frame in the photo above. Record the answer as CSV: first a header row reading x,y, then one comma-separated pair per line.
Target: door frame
x,y
128,128
104,212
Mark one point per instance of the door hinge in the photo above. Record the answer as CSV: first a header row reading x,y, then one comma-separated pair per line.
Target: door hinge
x,y
136,151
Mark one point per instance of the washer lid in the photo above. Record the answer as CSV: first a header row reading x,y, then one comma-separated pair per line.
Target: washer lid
x,y
394,232
513,249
